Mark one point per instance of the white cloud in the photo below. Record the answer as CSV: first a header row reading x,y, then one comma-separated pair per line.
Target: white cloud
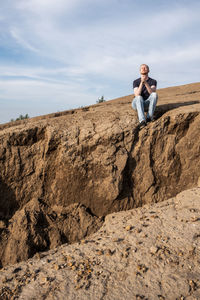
x,y
98,40
85,46
96,43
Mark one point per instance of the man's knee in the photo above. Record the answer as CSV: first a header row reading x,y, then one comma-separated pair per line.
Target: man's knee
x,y
136,101
154,95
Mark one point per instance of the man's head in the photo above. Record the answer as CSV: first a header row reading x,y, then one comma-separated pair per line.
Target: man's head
x,y
144,69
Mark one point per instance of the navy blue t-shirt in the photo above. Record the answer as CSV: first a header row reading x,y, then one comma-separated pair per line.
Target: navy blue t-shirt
x,y
145,94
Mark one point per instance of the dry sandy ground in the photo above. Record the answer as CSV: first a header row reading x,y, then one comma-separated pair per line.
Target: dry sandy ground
x,y
151,253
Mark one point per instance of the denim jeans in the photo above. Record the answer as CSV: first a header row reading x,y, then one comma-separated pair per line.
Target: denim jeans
x,y
141,105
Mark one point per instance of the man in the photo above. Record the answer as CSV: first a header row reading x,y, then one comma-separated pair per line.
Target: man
x,y
145,96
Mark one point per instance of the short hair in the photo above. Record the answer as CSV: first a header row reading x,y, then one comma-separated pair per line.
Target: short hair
x,y
144,65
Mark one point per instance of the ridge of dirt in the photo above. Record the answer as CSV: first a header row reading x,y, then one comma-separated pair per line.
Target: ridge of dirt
x,y
168,95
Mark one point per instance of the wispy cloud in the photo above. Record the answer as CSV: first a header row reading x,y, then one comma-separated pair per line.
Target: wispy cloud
x,y
23,43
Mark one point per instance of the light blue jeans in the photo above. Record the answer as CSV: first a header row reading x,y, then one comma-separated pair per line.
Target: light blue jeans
x,y
141,105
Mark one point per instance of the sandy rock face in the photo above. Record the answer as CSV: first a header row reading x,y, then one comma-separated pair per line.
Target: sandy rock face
x,y
37,227
167,157
96,157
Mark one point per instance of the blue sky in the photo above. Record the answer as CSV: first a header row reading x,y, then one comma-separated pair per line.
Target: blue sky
x,y
61,54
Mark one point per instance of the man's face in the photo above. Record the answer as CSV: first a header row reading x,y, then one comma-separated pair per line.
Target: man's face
x,y
144,70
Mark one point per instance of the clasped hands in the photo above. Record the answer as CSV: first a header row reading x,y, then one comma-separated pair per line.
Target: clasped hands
x,y
143,79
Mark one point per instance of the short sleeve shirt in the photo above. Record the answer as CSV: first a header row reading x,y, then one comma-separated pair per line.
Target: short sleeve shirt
x,y
145,94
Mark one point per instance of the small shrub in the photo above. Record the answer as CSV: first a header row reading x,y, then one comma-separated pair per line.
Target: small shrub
x,y
101,99
21,117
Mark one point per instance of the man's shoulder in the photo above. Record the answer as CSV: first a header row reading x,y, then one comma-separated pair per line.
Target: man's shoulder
x,y
152,81
136,82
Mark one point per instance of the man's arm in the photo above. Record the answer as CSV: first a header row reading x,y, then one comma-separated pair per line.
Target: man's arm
x,y
138,90
149,88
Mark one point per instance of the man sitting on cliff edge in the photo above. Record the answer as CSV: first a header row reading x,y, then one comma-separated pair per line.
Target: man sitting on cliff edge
x,y
145,96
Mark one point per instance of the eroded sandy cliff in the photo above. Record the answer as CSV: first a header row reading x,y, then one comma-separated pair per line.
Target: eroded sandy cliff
x,y
62,172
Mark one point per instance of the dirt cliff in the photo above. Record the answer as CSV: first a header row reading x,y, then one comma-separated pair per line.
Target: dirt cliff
x,y
91,162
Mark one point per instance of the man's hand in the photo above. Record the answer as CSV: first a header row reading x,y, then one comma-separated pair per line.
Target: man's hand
x,y
138,90
149,88
144,78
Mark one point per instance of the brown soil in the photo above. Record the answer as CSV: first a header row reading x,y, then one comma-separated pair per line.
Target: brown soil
x,y
60,173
